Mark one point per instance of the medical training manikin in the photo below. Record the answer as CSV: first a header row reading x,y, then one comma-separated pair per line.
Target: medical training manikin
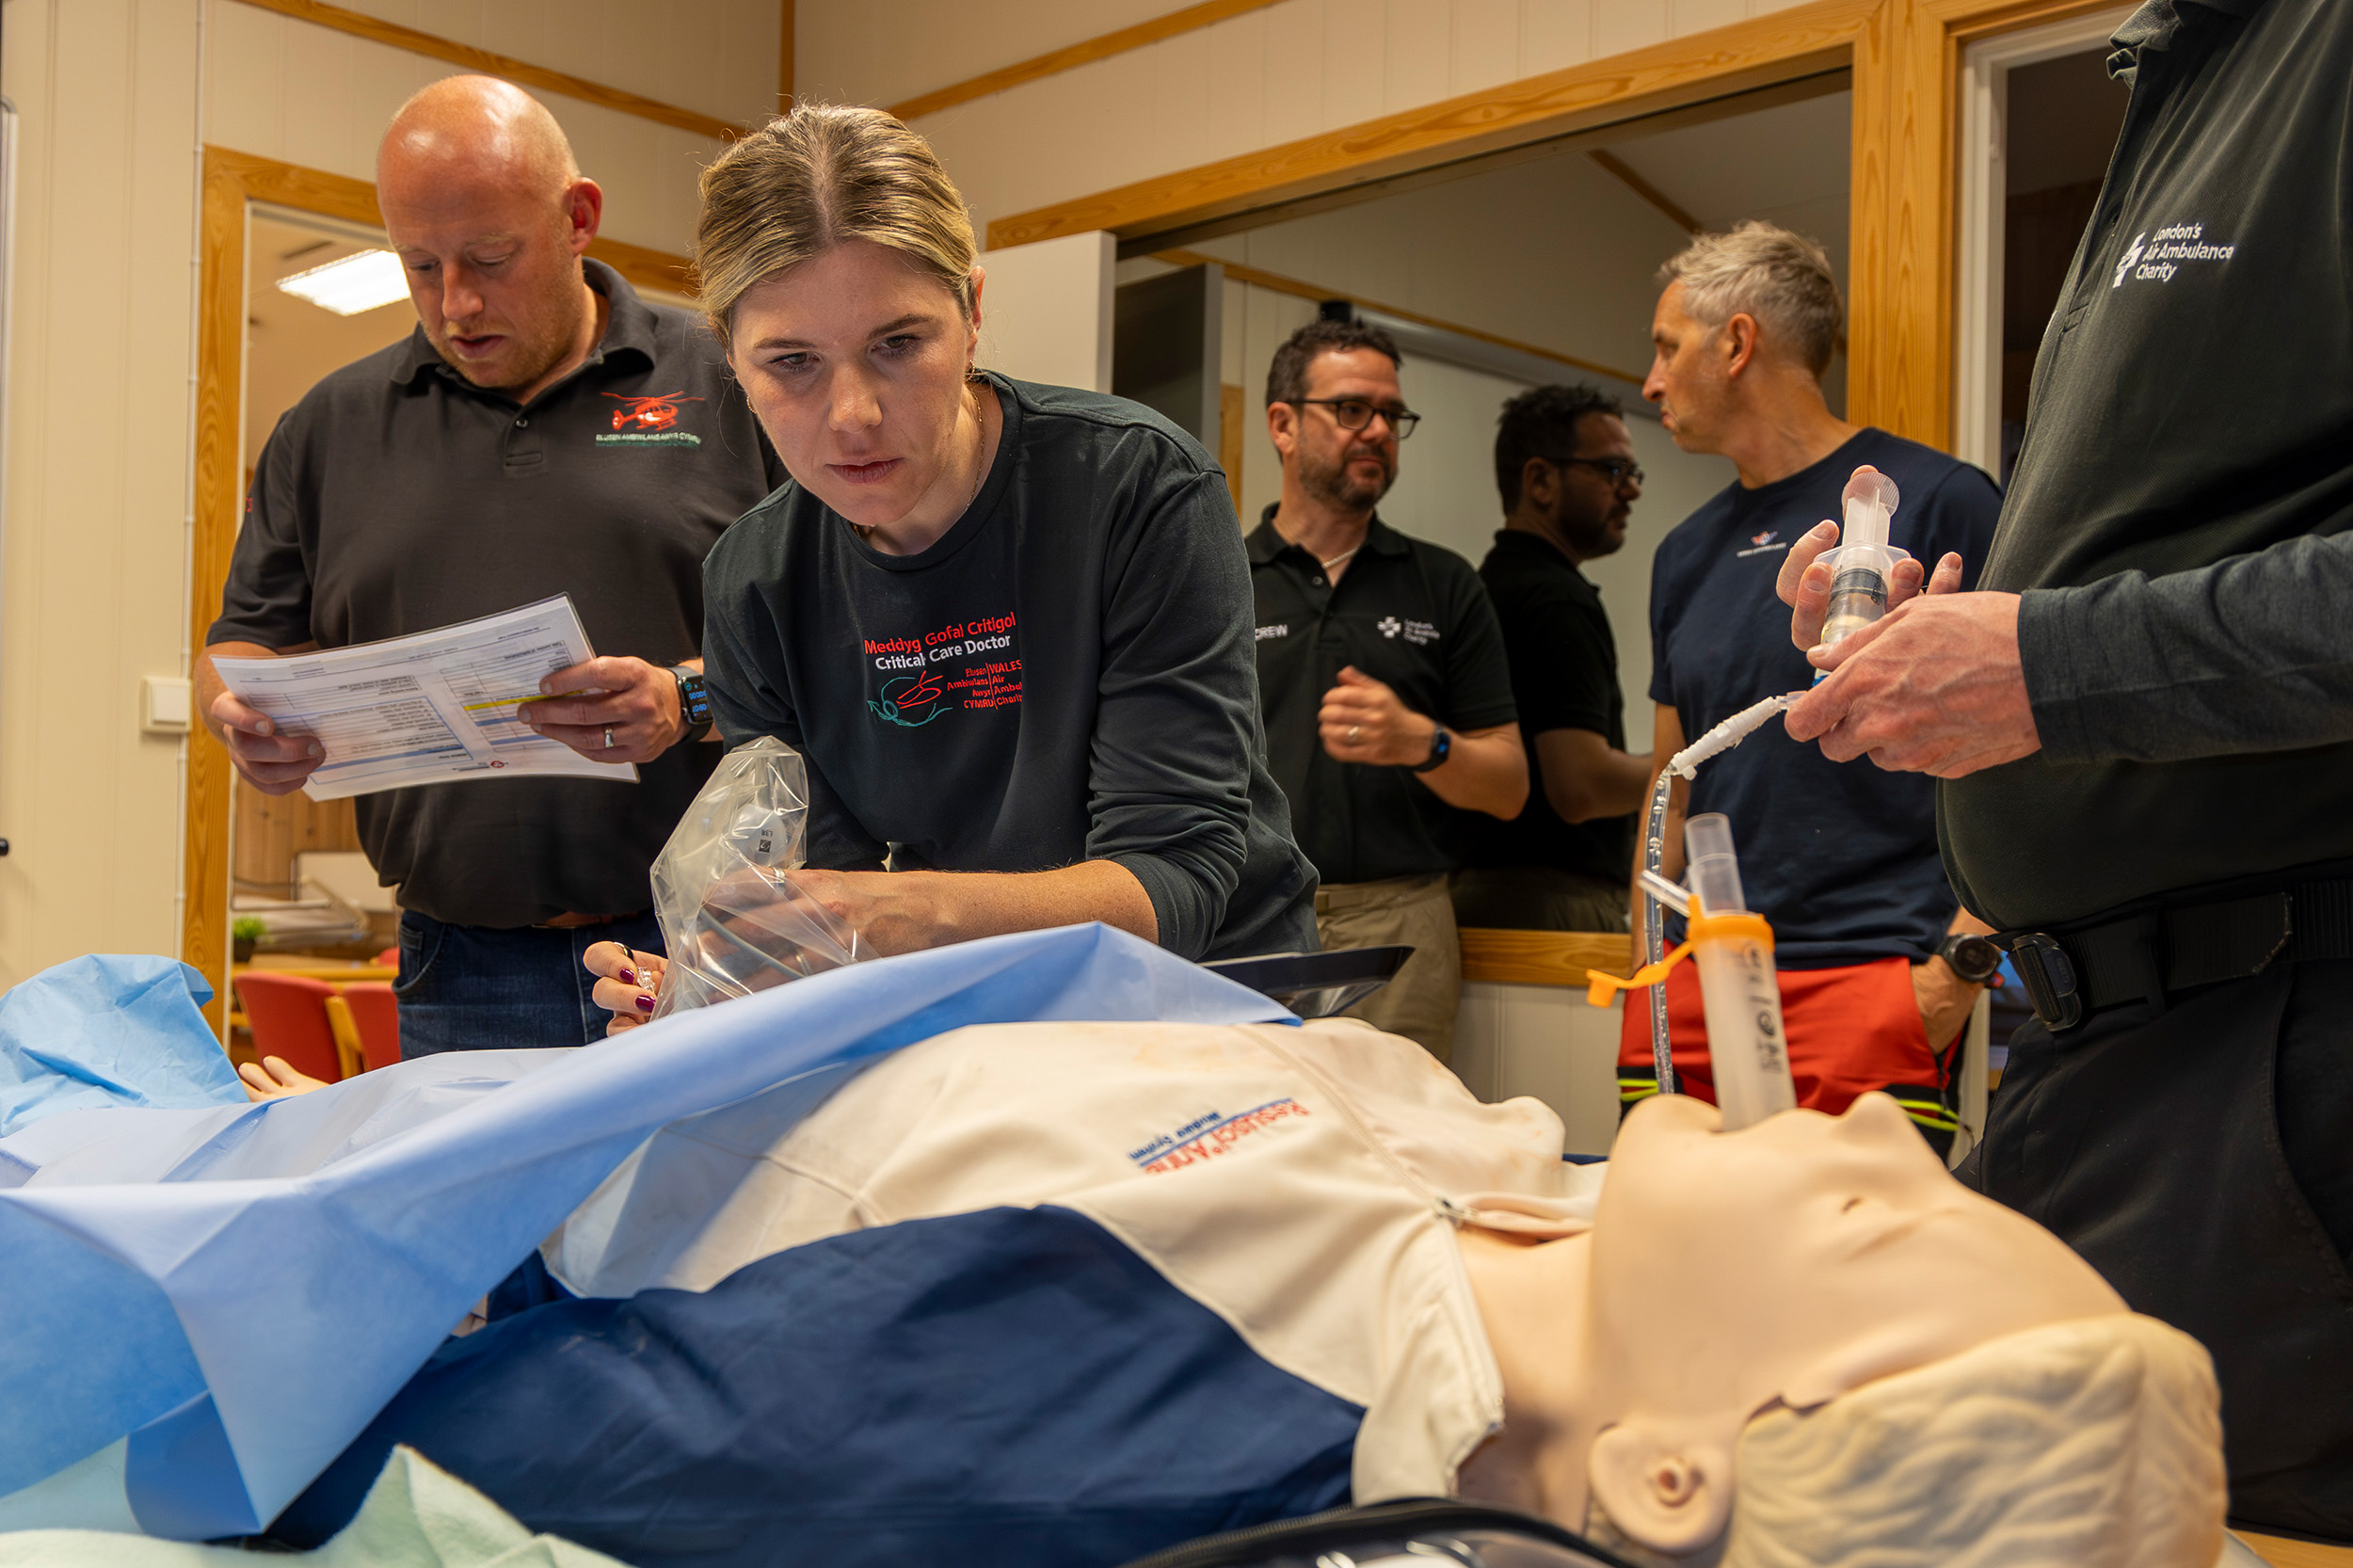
x,y
1802,1343
1064,1292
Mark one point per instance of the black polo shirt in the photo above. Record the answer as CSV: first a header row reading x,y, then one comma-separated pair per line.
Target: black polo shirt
x,y
2185,480
397,496
1410,614
1564,676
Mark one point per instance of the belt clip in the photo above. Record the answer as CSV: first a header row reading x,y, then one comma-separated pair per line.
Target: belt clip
x,y
2050,979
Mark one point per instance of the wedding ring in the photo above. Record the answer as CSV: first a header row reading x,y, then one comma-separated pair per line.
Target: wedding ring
x,y
608,737
1352,731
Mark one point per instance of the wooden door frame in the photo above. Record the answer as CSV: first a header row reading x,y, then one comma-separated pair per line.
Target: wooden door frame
x,y
231,183
1903,208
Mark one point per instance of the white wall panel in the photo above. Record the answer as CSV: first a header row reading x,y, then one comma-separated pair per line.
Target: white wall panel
x,y
1623,25
1293,74
1555,34
313,96
1045,312
1484,47
886,51
1415,48
719,57
1327,64
1546,1042
96,543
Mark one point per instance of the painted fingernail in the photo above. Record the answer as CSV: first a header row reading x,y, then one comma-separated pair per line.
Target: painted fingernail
x,y
627,977
645,1004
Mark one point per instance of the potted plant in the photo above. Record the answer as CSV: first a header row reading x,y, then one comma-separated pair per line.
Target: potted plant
x,y
243,932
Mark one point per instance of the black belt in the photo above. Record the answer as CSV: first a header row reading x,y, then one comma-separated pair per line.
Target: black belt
x,y
2167,948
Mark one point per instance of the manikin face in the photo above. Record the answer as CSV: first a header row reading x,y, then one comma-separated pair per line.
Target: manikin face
x,y
493,267
1791,1261
855,362
1686,376
1348,470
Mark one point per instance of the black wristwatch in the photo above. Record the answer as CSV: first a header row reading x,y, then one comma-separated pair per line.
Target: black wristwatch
x,y
1440,744
694,701
1976,959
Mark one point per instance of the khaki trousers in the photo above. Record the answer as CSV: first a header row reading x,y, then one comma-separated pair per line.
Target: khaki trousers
x,y
1415,910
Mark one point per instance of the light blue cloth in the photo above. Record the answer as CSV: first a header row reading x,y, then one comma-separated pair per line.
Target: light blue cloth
x,y
109,1030
239,1291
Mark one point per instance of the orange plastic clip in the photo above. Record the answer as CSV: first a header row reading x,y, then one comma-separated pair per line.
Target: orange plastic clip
x,y
1600,988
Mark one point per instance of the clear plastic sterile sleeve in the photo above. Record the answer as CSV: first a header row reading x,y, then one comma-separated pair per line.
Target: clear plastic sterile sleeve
x,y
732,915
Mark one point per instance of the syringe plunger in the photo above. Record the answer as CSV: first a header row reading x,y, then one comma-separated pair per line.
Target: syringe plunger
x,y
1860,565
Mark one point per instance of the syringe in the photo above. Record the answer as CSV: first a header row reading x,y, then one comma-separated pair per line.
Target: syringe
x,y
1733,950
1860,565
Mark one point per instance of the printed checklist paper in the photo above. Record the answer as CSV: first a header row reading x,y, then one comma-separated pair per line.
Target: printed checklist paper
x,y
429,709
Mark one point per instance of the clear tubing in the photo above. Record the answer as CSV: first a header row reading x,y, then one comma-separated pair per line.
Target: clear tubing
x,y
1654,930
1745,1049
1686,764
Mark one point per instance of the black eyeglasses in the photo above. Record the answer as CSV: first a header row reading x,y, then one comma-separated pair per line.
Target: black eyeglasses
x,y
1355,413
1616,469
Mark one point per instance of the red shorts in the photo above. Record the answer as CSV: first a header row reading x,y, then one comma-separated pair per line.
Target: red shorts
x,y
1851,1030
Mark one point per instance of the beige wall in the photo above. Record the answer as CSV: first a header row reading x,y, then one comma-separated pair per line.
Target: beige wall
x,y
308,95
715,56
1291,69
97,476
115,98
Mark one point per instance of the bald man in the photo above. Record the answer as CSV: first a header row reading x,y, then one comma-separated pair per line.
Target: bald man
x,y
543,431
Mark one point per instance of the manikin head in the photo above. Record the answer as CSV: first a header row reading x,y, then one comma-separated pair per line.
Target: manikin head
x,y
1743,333
488,214
1565,467
1333,407
836,262
1807,1342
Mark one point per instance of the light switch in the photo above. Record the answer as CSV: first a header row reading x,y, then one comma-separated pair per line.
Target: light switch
x,y
167,704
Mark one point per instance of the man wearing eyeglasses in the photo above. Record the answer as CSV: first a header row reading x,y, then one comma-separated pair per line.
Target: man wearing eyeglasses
x,y
1565,467
1879,967
1382,673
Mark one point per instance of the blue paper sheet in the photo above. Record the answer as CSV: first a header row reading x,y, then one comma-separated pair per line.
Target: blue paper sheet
x,y
109,1030
240,1291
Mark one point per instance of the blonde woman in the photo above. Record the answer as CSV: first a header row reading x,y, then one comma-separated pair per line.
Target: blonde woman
x,y
1008,625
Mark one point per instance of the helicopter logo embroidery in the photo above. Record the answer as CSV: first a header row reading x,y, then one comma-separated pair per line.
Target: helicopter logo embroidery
x,y
649,421
907,695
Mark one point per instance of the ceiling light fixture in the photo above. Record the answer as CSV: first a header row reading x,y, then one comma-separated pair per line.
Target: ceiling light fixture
x,y
360,282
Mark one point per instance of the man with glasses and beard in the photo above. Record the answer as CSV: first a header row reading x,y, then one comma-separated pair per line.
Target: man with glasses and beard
x,y
1382,673
1565,467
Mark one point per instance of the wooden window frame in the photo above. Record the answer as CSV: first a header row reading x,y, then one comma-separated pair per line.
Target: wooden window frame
x,y
1904,57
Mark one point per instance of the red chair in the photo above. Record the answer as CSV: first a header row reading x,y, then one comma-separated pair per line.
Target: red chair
x,y
376,1018
287,1015
389,958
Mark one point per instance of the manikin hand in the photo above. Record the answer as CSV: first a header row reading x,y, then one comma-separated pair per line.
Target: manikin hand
x,y
1363,721
637,710
271,1078
627,983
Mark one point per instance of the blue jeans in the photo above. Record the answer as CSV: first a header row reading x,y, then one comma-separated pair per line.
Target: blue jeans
x,y
470,987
